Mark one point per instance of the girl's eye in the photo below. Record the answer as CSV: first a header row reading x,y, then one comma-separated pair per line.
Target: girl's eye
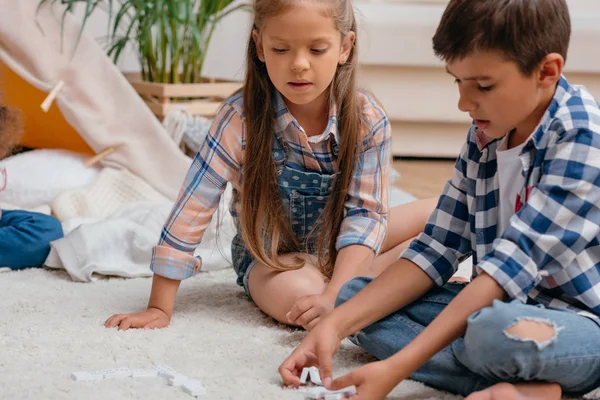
x,y
279,51
319,51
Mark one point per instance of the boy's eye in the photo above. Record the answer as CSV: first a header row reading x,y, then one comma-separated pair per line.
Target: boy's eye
x,y
479,87
279,51
319,51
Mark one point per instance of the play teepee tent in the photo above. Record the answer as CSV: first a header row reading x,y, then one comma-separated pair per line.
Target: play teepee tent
x,y
95,108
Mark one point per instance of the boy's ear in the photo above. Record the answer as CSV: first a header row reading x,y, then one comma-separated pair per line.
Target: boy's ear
x,y
347,46
258,43
550,70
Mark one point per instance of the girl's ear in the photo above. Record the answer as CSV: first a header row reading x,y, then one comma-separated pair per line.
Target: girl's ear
x,y
258,43
347,46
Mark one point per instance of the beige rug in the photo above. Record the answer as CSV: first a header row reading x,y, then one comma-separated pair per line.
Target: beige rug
x,y
51,326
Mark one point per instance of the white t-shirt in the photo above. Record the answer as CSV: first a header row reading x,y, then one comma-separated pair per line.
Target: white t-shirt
x,y
510,179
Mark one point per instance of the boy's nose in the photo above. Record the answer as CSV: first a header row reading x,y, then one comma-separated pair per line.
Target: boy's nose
x,y
466,105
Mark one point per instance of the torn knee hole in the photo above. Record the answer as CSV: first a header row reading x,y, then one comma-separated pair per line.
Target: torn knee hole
x,y
541,332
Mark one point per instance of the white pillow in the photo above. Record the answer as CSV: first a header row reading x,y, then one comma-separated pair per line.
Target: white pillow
x,y
36,177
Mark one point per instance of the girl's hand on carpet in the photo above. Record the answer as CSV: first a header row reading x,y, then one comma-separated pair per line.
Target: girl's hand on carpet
x,y
309,310
317,349
150,319
373,381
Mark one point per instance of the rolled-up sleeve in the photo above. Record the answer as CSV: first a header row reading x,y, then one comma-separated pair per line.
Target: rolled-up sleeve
x,y
446,239
218,161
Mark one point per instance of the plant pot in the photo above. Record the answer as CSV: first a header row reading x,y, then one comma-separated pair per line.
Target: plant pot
x,y
196,98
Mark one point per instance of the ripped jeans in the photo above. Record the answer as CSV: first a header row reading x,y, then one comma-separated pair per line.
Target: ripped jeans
x,y
488,353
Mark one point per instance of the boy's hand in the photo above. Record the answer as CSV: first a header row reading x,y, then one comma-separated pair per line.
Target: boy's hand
x,y
309,310
317,349
150,319
373,381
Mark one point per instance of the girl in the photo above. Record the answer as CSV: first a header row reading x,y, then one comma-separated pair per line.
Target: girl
x,y
307,155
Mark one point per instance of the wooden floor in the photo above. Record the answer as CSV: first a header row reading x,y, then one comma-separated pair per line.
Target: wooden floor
x,y
423,178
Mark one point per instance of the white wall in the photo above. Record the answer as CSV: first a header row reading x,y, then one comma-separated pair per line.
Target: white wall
x,y
398,65
378,20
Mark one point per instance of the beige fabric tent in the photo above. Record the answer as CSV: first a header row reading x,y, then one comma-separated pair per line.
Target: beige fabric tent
x,y
96,100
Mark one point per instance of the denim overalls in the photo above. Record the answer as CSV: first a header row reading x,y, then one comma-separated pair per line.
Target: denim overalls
x,y
304,196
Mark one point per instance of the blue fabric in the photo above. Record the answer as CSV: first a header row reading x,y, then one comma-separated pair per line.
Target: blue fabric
x,y
487,355
304,197
25,238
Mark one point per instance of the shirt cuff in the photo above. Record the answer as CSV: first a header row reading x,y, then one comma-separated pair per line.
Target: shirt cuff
x,y
365,231
435,259
511,274
174,264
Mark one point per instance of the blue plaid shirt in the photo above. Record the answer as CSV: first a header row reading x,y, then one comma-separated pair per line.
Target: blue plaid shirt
x,y
550,253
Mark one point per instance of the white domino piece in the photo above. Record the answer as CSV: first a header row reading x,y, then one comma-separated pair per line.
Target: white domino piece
x,y
116,373
166,372
304,375
317,392
144,373
594,394
178,381
193,387
347,391
87,376
315,376
314,392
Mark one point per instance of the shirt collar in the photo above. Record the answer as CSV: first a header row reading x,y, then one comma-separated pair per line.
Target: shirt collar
x,y
284,118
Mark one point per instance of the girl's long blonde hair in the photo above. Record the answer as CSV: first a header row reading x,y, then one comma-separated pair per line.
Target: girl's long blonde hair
x,y
265,228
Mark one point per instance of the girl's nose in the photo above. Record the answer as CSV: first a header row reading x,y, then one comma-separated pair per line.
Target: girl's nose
x,y
300,63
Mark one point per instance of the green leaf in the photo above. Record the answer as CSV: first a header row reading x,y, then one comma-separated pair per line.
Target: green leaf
x,y
170,35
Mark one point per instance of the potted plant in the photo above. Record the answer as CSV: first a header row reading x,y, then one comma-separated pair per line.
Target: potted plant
x,y
171,38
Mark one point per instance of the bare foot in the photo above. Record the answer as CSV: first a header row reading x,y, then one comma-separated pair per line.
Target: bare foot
x,y
523,391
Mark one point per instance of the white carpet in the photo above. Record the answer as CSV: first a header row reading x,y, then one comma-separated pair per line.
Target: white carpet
x,y
51,326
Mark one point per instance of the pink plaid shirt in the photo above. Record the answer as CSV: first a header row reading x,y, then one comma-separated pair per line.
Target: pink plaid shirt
x,y
219,161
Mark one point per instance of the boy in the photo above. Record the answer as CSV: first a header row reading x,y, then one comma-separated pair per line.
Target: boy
x,y
24,236
524,202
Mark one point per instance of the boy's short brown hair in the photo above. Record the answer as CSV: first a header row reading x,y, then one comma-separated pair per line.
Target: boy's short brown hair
x,y
10,130
524,31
